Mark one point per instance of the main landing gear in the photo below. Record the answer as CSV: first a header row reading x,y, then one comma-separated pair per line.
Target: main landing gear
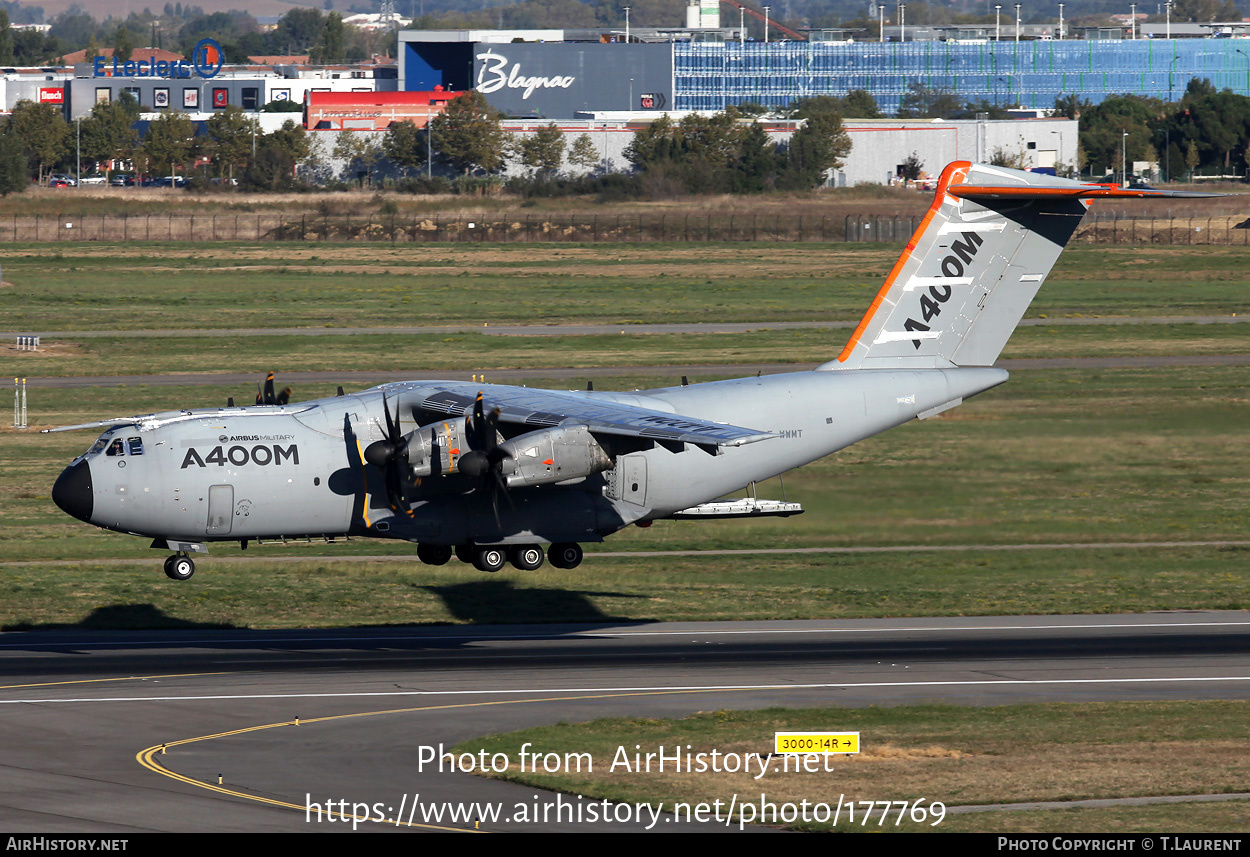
x,y
492,558
179,567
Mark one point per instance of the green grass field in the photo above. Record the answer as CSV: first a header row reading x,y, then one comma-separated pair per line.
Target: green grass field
x,y
190,286
953,755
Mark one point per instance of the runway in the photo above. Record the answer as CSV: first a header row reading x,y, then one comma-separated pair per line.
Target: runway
x,y
78,710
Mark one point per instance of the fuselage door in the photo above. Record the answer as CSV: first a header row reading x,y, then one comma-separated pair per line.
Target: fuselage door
x,y
632,473
220,510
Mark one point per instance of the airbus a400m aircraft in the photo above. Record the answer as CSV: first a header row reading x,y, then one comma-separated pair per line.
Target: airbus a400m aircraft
x,y
493,473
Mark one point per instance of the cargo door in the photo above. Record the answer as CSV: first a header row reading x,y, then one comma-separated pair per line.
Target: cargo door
x,y
220,510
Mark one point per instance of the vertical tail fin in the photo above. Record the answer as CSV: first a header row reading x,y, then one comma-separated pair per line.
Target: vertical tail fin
x,y
969,273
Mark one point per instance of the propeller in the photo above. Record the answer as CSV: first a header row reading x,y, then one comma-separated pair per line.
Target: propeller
x,y
390,455
485,457
267,397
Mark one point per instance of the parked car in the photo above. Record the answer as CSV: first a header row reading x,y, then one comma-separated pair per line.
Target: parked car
x,y
121,180
61,180
94,178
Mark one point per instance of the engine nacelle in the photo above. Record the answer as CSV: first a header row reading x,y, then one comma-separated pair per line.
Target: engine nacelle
x,y
552,455
434,449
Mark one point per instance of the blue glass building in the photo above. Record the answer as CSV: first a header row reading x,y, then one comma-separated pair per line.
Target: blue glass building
x,y
713,75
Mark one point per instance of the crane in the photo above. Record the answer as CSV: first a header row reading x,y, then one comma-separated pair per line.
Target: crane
x,y
793,34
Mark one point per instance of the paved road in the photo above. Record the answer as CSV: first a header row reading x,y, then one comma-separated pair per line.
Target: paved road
x,y
78,709
579,329
362,378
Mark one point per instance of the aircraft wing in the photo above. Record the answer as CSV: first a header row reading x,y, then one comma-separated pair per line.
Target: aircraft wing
x,y
547,408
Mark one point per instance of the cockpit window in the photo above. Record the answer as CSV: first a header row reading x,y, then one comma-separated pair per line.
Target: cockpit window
x,y
116,448
134,445
99,445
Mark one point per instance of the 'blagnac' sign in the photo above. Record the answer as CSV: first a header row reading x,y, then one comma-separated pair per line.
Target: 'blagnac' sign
x,y
206,61
494,75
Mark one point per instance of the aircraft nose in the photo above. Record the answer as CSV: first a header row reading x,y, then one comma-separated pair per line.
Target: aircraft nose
x,y
72,491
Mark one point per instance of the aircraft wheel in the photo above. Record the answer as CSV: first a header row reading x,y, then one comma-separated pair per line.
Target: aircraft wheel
x,y
465,553
179,567
565,555
527,557
490,559
434,554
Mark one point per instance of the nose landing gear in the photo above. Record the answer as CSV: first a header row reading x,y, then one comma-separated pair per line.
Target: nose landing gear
x,y
179,567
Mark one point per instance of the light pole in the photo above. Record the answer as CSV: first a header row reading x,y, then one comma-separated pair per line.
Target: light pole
x,y
742,24
1017,22
1059,156
998,21
627,25
1061,22
1168,7
1124,159
766,11
902,22
881,23
78,142
1132,19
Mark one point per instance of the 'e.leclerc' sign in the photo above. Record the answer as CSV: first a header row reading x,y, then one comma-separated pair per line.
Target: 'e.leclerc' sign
x,y
206,60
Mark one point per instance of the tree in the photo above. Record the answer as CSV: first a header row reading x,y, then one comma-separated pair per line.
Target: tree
x,y
108,133
859,104
543,151
911,167
924,102
756,167
404,144
1071,106
6,39
584,154
13,167
123,44
468,136
1104,125
170,142
1012,160
231,138
43,132
292,139
331,45
817,147
353,146
272,169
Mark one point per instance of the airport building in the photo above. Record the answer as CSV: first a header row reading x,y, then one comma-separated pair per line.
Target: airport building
x,y
554,74
878,146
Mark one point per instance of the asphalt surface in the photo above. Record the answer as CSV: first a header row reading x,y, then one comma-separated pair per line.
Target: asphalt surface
x,y
78,710
582,329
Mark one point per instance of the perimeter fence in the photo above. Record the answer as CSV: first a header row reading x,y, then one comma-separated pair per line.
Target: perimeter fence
x,y
1096,228
530,228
